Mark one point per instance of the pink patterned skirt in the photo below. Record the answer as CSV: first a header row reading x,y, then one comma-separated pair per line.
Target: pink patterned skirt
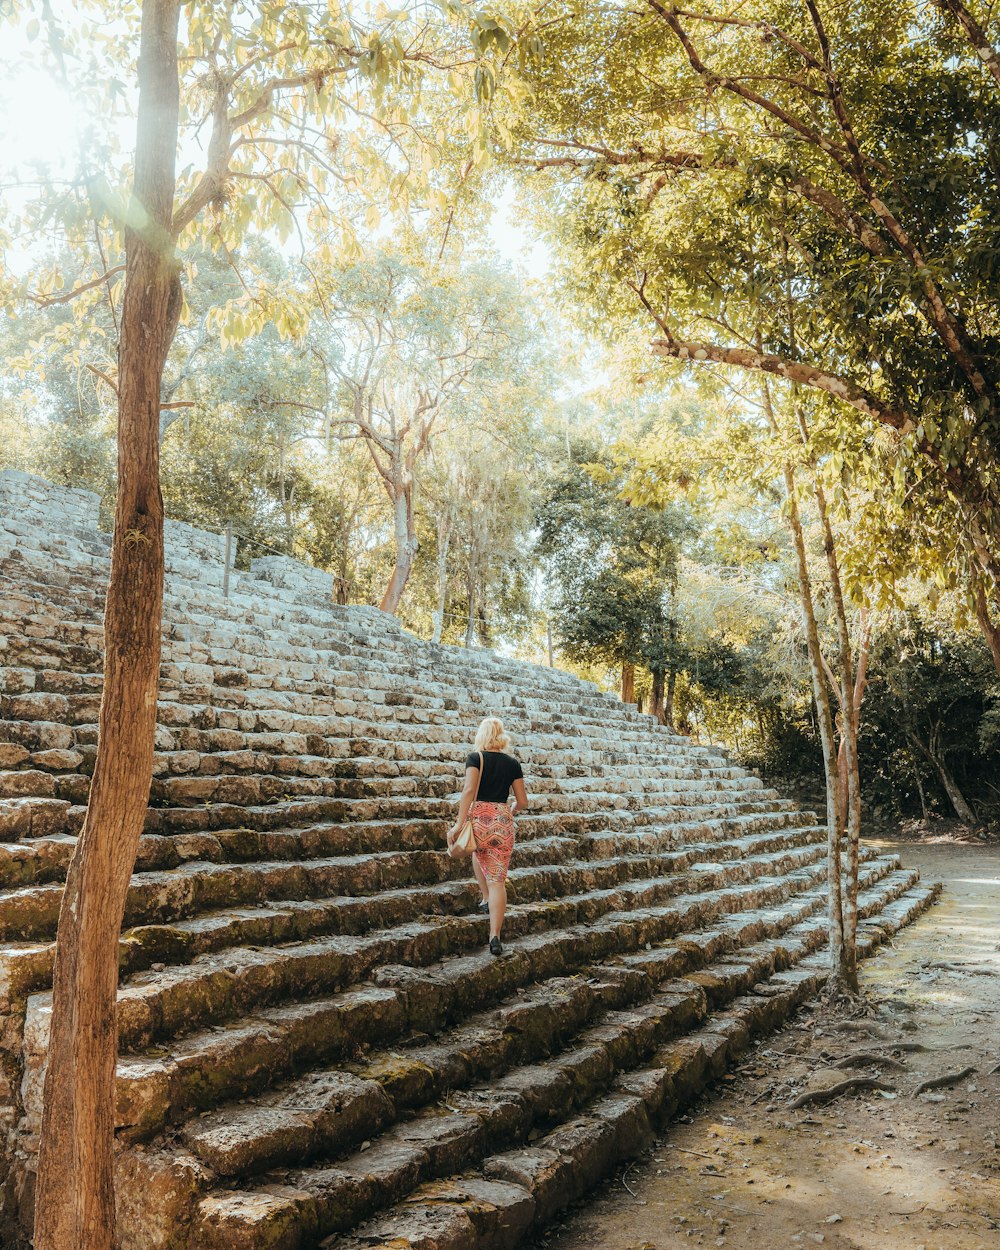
x,y
493,825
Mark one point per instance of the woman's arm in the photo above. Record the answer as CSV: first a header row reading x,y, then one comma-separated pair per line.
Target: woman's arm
x,y
465,802
520,796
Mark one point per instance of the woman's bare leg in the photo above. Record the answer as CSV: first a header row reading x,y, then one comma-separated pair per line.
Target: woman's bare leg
x,y
498,906
480,879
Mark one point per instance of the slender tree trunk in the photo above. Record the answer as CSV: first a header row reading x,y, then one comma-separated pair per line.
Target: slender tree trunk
x,y
839,972
955,796
628,683
342,586
444,543
934,757
656,698
991,632
843,958
951,788
405,539
848,773
668,703
74,1206
924,812
470,586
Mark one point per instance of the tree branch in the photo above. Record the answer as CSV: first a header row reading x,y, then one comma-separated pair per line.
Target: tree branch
x,y
103,376
47,301
792,371
947,324
975,34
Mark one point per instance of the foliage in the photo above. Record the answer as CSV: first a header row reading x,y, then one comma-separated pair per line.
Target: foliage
x,y
615,566
805,190
933,691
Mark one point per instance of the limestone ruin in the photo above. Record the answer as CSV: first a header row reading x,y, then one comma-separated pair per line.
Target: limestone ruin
x,y
315,1048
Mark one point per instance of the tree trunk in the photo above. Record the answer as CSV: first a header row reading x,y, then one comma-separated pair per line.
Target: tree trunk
x,y
991,633
668,703
951,788
839,963
656,698
405,538
934,757
444,542
848,772
470,586
74,1202
924,812
628,683
843,972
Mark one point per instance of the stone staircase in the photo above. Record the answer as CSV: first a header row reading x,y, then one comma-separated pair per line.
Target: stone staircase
x,y
315,1048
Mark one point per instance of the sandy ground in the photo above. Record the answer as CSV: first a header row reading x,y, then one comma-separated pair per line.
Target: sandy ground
x,y
876,1170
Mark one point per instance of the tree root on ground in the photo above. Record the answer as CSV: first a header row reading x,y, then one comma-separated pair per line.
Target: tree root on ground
x,y
852,1084
868,1059
941,1082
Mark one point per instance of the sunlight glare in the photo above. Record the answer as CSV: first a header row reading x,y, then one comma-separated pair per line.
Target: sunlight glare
x,y
40,126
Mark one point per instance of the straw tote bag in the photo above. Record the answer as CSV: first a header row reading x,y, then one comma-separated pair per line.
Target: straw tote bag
x,y
465,842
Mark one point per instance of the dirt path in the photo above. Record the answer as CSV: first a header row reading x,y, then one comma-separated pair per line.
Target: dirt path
x,y
869,1171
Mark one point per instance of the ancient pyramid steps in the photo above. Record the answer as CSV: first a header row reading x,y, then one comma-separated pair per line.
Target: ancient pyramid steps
x,y
313,1044
495,1204
455,1132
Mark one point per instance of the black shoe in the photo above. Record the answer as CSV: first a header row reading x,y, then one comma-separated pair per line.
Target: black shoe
x,y
483,907
495,947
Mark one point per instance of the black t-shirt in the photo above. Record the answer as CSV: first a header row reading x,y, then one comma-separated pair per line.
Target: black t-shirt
x,y
500,771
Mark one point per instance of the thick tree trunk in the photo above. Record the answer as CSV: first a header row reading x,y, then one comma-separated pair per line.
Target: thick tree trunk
x,y
405,537
75,1194
668,703
628,683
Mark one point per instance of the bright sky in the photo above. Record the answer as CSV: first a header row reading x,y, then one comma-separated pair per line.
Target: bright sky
x,y
40,125
514,240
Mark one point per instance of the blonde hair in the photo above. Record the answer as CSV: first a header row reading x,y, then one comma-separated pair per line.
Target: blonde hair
x,y
490,735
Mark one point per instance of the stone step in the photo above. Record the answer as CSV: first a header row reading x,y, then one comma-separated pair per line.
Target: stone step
x,y
244,860
174,1001
170,918
520,1189
27,966
316,715
277,664
382,775
456,1133
253,1052
233,1141
230,661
